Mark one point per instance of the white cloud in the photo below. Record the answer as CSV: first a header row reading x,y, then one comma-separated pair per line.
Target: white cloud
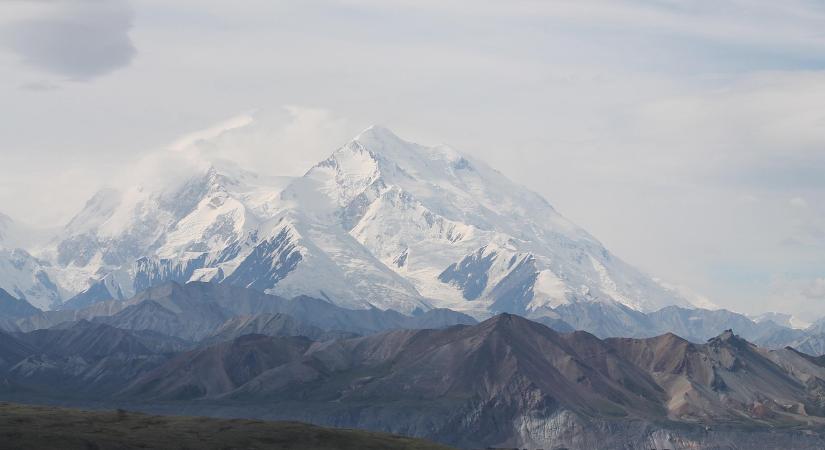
x,y
193,139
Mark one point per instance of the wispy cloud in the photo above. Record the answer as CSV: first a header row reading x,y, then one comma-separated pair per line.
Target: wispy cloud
x,y
283,141
199,137
275,141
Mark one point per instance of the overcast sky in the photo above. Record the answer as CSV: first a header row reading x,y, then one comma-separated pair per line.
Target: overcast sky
x,y
688,136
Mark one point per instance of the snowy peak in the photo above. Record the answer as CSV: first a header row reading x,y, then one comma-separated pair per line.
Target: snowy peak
x,y
22,275
345,175
387,147
433,216
26,278
379,133
95,212
377,158
402,162
206,211
461,188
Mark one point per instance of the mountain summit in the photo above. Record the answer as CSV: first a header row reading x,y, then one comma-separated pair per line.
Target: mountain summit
x,y
382,222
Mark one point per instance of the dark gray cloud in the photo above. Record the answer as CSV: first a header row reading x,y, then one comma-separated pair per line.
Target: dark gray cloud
x,y
77,39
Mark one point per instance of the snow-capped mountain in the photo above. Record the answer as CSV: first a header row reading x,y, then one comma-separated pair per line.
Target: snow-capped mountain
x,y
21,274
127,239
27,278
380,223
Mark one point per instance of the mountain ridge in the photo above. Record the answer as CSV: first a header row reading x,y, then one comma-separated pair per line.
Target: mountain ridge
x,y
504,382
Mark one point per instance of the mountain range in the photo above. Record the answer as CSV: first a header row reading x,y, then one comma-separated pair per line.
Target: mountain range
x,y
198,310
393,287
504,382
381,223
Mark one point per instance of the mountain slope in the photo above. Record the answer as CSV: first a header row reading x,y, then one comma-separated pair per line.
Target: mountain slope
x,y
27,278
271,325
93,340
14,308
83,360
12,350
218,369
725,379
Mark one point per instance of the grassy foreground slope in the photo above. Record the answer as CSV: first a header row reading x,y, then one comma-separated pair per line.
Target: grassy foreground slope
x,y
46,427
